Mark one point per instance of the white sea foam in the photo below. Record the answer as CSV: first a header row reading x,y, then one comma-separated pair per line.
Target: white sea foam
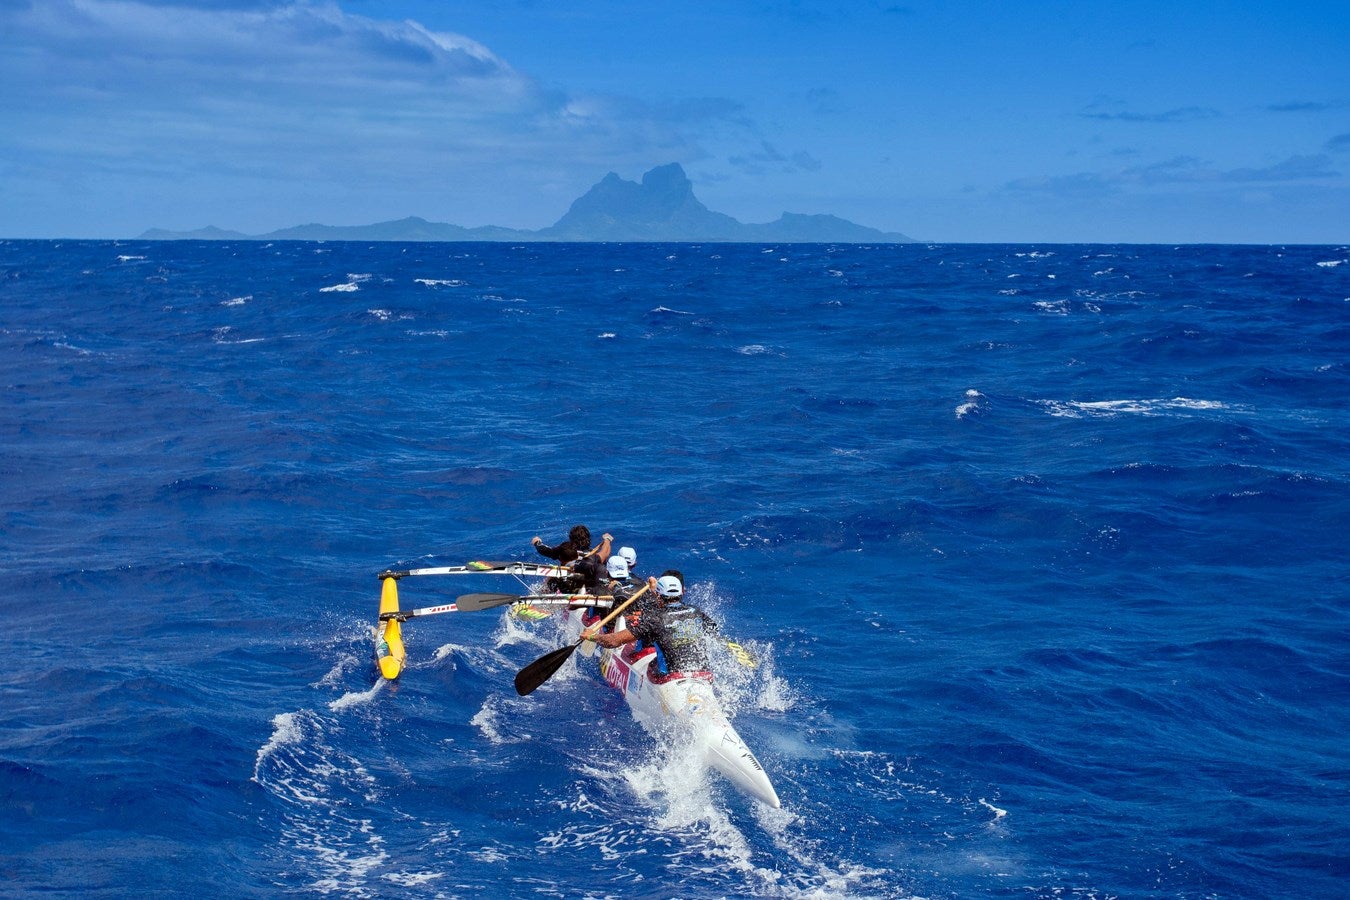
x,y
972,406
412,879
128,258
80,350
1079,409
441,282
237,301
1331,263
285,730
345,663
606,335
488,719
316,786
1054,307
673,312
356,698
345,288
998,813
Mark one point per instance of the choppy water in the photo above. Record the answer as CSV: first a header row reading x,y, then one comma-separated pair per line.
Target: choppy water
x,y
1043,549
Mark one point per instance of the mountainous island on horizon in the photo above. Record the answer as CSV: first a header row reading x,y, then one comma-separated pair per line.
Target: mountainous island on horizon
x,y
661,208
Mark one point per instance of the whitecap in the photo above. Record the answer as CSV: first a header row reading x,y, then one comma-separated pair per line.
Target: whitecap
x,y
357,698
441,282
606,335
1053,307
237,301
126,258
340,288
1331,263
673,312
972,406
488,721
285,730
80,350
412,879
1078,409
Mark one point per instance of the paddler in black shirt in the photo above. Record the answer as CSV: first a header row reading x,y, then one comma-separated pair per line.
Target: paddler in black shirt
x,y
676,628
576,548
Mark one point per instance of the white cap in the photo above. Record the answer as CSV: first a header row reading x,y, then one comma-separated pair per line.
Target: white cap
x,y
629,554
669,586
617,567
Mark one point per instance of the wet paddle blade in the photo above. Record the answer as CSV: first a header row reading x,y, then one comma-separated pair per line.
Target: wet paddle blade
x,y
475,602
542,669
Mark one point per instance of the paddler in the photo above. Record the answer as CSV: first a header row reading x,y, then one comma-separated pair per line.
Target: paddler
x,y
574,552
621,586
676,628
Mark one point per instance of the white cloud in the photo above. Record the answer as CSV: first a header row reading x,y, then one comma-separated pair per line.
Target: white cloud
x,y
1180,170
297,107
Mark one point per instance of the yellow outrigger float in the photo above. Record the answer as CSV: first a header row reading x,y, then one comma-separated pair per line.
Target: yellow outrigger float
x,y
389,650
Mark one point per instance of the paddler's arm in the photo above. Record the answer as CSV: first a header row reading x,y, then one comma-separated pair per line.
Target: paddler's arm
x,y
613,638
605,540
546,550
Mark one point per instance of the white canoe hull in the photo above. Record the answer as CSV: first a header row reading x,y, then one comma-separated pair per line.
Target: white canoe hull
x,y
691,704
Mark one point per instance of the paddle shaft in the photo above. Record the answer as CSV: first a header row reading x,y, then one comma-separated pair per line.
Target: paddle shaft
x,y
613,613
476,602
502,568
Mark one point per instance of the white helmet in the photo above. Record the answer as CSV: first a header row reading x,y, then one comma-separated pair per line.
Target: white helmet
x,y
629,554
669,586
617,567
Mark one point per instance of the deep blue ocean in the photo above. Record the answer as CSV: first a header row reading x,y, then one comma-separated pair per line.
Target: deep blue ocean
x,y
1042,549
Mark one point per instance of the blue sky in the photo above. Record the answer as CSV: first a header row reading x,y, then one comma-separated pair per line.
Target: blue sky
x,y
949,121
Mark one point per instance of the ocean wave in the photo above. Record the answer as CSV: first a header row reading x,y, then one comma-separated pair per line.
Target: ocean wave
x,y
1080,408
975,403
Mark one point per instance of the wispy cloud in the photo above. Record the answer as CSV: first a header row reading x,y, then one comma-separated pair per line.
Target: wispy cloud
x,y
1179,170
768,158
1340,143
1304,106
1168,117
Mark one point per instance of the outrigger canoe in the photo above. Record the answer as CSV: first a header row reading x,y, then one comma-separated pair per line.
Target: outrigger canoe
x,y
687,702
